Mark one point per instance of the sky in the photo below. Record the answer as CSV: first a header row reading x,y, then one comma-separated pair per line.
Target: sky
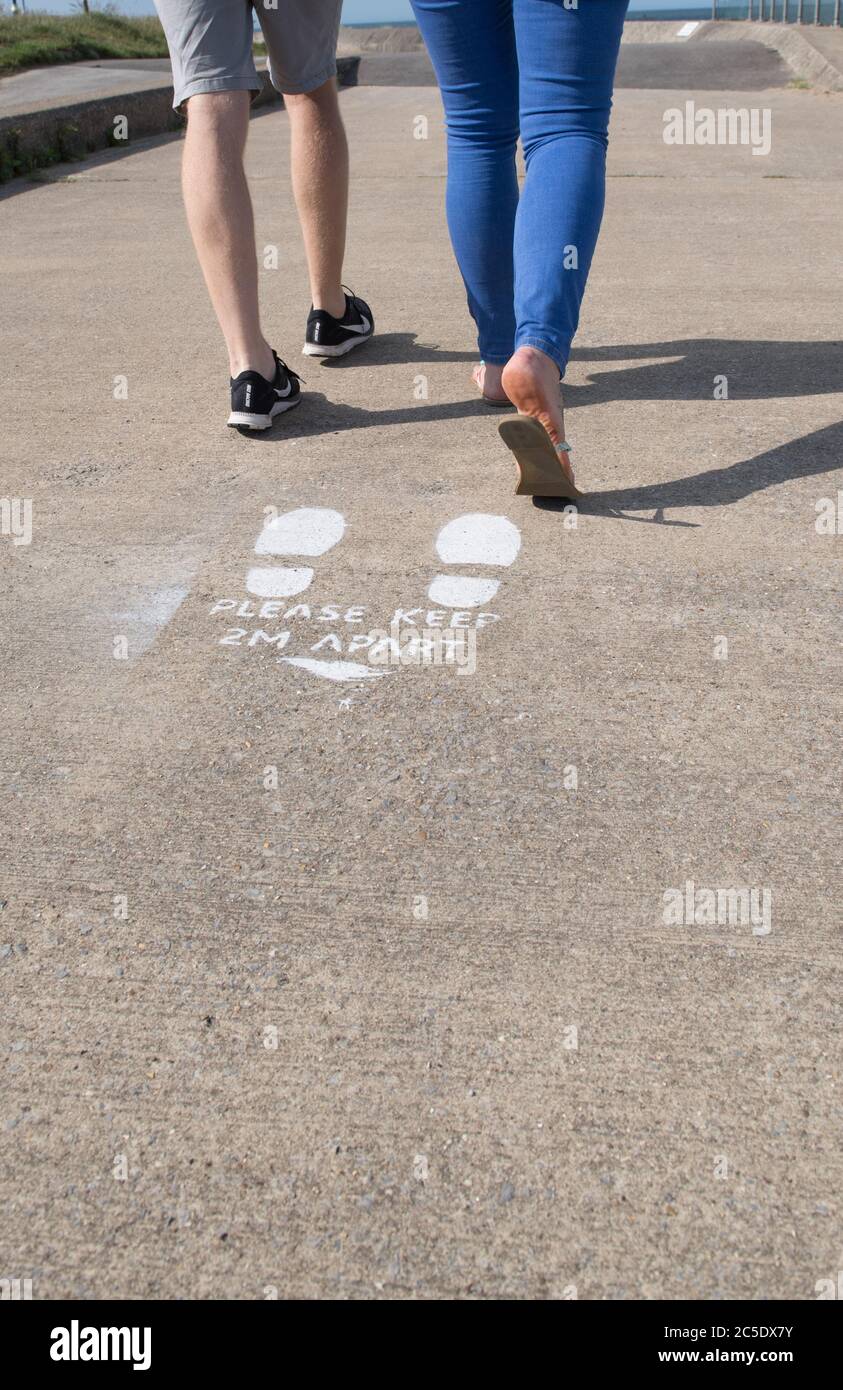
x,y
354,11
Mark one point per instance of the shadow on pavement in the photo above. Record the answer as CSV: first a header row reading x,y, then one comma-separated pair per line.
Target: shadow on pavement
x,y
395,349
820,452
79,169
318,415
754,370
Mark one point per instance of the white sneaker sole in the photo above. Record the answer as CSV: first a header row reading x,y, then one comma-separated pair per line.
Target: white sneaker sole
x,y
335,349
250,421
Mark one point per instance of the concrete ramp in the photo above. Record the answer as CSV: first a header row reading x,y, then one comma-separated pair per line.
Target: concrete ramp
x,y
702,67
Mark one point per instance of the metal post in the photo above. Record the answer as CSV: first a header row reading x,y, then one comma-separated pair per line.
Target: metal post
x,y
817,12
837,11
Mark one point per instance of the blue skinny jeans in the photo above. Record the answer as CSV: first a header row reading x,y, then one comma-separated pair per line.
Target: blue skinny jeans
x,y
544,68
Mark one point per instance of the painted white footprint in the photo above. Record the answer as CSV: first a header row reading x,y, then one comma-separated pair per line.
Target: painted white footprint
x,y
478,538
308,532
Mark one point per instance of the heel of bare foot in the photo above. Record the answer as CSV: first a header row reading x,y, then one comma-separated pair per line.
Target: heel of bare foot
x,y
487,378
531,381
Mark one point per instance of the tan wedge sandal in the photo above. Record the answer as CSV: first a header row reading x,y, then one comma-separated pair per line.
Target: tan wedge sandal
x,y
505,404
539,464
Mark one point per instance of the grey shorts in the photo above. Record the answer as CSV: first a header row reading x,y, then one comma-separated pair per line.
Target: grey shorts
x,y
210,43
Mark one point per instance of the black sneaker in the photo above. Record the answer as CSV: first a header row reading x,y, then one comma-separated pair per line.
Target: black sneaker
x,y
255,401
330,337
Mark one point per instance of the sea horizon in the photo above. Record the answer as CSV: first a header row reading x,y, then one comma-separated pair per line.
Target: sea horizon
x,y
701,9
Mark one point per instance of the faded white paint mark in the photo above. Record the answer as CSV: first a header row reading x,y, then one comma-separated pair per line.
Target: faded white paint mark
x,y
162,604
305,531
688,29
334,670
278,581
155,610
459,591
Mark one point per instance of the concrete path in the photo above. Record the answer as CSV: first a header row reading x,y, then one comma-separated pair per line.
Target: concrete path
x,y
745,67
43,88
361,988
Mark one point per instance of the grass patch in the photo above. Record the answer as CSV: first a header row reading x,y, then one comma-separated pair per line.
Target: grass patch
x,y
37,40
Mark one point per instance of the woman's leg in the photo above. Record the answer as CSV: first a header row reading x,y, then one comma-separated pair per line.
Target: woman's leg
x,y
472,45
567,58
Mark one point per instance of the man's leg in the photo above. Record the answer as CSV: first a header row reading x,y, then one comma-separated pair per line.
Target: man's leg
x,y
219,213
319,159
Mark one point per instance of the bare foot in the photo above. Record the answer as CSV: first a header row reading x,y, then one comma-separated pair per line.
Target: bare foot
x,y
531,381
487,376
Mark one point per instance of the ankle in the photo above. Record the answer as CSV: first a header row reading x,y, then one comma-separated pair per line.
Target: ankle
x,y
255,359
331,301
532,359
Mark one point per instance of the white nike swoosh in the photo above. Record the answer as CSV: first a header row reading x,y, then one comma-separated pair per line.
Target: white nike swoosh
x,y
287,389
364,327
